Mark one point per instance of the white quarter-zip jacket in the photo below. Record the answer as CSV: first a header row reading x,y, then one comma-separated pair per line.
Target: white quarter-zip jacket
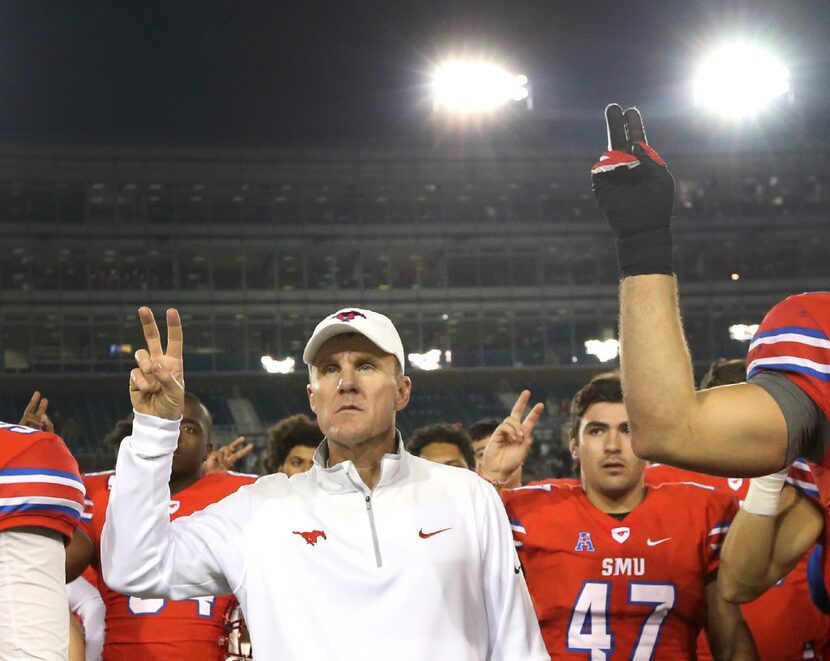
x,y
421,567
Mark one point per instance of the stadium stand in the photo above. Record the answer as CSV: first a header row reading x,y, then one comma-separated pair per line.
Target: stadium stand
x,y
499,260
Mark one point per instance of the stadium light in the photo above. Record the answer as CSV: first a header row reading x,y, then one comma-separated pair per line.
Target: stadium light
x,y
740,80
476,86
743,332
604,350
277,366
428,360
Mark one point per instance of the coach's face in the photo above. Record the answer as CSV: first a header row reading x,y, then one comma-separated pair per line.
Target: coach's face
x,y
608,465
356,390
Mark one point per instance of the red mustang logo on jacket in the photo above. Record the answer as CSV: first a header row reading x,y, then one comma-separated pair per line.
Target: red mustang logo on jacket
x,y
311,537
349,315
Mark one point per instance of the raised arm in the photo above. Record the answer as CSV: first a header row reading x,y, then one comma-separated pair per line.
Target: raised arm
x,y
731,430
510,444
735,430
226,457
34,415
142,553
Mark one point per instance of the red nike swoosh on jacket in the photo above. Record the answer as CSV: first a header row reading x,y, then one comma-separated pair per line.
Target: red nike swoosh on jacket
x,y
425,535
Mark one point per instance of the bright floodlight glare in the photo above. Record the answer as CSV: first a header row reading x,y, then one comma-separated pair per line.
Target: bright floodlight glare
x,y
277,366
475,86
605,350
743,332
740,80
428,361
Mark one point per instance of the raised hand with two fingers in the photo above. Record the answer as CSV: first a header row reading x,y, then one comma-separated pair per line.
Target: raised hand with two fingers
x,y
510,443
34,415
226,457
157,384
635,190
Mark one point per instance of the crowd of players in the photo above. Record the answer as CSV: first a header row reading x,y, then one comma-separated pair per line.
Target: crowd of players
x,y
358,545
632,564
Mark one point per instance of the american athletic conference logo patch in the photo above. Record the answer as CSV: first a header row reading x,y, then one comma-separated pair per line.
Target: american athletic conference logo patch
x,y
584,543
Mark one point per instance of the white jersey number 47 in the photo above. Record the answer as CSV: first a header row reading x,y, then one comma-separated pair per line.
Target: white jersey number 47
x,y
590,631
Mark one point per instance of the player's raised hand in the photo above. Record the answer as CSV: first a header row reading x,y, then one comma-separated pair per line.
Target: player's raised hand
x,y
226,457
509,445
34,415
635,191
157,384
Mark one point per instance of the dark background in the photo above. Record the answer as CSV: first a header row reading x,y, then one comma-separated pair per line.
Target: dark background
x,y
325,73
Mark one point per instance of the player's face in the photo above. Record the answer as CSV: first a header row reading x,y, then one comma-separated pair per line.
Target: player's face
x,y
356,390
478,448
448,454
299,460
608,465
193,445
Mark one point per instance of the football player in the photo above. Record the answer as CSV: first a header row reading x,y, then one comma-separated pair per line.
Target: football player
x,y
291,443
41,500
158,628
617,568
443,444
747,429
784,622
774,529
479,433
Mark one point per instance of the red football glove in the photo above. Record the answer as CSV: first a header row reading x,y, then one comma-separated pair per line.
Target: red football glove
x,y
635,191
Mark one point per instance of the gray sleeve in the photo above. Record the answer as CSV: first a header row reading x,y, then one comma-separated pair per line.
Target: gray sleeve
x,y
808,431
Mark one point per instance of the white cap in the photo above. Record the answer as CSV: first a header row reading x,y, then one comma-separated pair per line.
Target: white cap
x,y
372,325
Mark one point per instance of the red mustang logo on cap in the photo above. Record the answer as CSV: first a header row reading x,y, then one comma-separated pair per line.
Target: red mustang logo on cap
x,y
311,537
349,315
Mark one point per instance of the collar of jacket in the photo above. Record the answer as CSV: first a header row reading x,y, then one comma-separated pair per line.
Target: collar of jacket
x,y
344,478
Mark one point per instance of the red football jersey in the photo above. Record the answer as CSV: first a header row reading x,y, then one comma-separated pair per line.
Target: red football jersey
x,y
784,622
158,628
39,481
657,474
814,482
619,589
794,339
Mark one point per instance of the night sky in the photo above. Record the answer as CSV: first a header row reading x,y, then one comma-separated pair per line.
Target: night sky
x,y
323,73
